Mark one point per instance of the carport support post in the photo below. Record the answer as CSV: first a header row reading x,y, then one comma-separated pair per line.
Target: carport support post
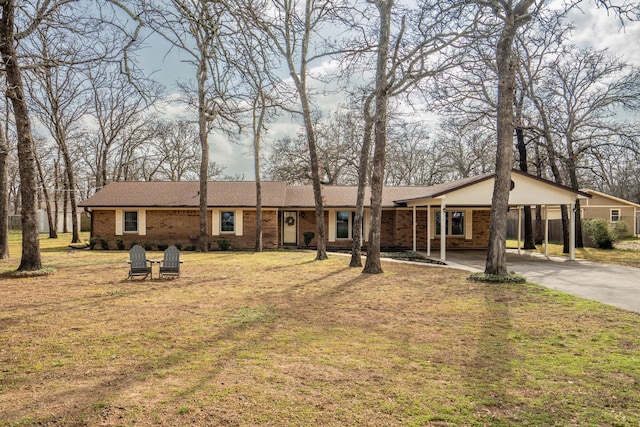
x,y
414,229
572,232
546,230
519,228
443,231
428,230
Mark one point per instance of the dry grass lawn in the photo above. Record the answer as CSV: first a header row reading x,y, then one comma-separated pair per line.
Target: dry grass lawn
x,y
245,339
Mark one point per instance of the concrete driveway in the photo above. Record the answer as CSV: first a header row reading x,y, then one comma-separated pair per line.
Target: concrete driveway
x,y
610,284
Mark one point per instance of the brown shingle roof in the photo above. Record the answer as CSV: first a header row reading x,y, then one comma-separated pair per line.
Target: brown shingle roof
x,y
275,194
186,194
236,194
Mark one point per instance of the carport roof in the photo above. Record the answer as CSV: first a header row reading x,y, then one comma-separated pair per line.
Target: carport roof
x,y
478,191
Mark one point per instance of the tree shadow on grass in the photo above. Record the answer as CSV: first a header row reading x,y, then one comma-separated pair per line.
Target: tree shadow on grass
x,y
490,371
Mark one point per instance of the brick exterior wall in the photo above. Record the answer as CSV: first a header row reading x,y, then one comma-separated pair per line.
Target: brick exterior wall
x,y
182,227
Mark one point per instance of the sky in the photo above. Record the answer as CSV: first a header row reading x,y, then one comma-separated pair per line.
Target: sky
x,y
594,27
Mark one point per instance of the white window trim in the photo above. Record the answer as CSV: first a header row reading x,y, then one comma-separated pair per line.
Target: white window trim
x,y
611,215
467,223
228,232
141,223
349,224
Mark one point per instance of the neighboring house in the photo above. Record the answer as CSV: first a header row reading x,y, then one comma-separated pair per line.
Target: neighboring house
x,y
167,212
613,209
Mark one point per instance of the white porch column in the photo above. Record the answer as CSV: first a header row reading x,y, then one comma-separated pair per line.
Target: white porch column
x,y
546,230
572,232
414,230
519,228
428,230
443,231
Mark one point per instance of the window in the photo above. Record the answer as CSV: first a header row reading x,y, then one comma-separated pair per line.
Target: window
x,y
227,221
131,222
457,223
615,215
454,223
343,230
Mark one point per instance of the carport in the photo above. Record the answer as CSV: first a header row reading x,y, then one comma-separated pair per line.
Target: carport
x,y
477,192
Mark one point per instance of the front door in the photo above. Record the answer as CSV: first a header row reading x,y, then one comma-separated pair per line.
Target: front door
x,y
290,228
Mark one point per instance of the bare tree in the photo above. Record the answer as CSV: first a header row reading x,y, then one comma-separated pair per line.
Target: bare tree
x,y
582,94
423,47
292,28
199,29
9,38
177,146
60,101
121,122
4,195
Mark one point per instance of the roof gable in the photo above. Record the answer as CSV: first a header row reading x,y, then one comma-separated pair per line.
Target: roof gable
x,y
600,197
478,191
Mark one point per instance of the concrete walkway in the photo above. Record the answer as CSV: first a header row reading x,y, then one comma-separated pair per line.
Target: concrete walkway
x,y
610,284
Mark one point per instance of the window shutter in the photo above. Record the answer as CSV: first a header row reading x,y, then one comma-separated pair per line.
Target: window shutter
x,y
215,222
432,224
367,221
468,224
119,218
332,225
142,222
238,222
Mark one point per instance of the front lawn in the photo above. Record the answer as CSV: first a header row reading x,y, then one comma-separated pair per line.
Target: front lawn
x,y
280,339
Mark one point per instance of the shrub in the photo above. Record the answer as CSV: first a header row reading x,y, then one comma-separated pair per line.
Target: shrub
x,y
308,237
147,246
605,234
133,244
178,246
104,243
495,278
223,244
162,246
190,248
120,244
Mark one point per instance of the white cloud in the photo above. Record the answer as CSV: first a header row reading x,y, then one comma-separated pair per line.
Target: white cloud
x,y
602,29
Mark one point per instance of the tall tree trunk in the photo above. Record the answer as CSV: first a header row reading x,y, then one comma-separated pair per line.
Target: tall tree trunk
x,y
4,196
373,264
573,179
496,255
363,169
71,192
65,204
506,65
203,239
30,260
300,80
53,232
528,226
258,123
539,232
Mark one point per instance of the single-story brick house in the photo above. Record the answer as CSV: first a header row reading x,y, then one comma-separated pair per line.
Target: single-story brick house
x,y
167,212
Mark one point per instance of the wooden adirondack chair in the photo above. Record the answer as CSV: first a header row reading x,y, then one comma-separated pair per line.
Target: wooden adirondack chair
x,y
170,265
139,265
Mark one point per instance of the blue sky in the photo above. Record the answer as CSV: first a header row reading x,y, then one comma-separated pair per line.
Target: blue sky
x,y
593,27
